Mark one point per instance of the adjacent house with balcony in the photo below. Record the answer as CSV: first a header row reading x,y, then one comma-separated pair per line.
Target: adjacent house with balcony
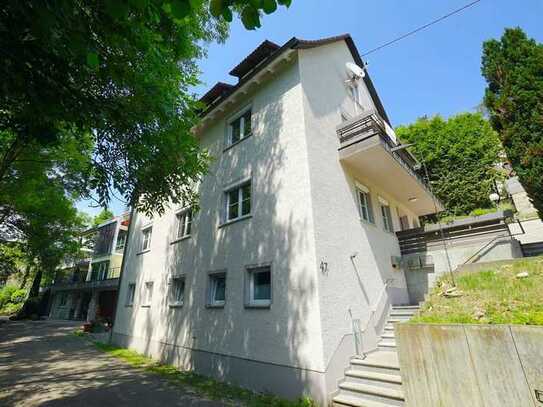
x,y
86,288
291,264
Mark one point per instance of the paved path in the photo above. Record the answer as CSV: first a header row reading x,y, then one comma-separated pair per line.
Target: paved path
x,y
43,364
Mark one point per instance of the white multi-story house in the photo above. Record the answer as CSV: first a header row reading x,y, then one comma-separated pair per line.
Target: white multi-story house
x,y
290,265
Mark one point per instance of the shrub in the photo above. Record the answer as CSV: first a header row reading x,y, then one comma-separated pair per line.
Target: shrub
x,y
5,294
18,296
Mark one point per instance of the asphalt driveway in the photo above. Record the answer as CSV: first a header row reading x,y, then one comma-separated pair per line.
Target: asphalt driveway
x,y
43,364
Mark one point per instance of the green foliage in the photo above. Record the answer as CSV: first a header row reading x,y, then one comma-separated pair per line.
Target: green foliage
x,y
494,295
5,294
18,296
249,11
460,154
102,217
513,69
202,385
118,72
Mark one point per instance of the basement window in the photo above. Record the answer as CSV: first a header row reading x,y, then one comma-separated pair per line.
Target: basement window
x,y
217,290
177,291
259,287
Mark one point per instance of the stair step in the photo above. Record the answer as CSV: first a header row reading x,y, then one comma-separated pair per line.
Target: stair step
x,y
371,392
402,313
415,307
389,327
380,361
388,335
342,400
396,320
390,380
387,344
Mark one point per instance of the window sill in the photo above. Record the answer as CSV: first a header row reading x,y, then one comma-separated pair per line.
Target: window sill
x,y
180,239
214,305
179,305
143,252
367,222
244,217
258,306
228,147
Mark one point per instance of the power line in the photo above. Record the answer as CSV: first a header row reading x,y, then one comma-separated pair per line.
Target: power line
x,y
422,27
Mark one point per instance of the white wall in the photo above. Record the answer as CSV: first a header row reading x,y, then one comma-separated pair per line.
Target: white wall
x,y
349,288
280,232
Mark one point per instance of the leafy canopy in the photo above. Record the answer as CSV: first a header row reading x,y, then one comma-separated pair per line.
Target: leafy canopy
x,y
513,69
102,217
460,154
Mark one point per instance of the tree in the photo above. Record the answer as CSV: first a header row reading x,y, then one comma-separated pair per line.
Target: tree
x,y
102,217
513,69
460,154
120,72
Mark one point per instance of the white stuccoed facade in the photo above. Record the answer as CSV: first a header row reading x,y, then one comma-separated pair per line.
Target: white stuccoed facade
x,y
328,266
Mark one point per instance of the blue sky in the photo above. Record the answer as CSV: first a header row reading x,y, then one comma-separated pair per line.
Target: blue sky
x,y
436,71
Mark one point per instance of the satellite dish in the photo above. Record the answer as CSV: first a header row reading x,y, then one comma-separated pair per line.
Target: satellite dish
x,y
354,71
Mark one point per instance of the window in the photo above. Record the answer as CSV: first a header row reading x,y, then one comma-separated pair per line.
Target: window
x,y
177,291
148,294
121,241
364,202
238,202
146,243
217,290
130,294
355,94
239,128
387,217
184,223
259,287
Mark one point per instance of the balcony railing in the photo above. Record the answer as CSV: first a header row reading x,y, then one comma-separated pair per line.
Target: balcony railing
x,y
370,124
95,279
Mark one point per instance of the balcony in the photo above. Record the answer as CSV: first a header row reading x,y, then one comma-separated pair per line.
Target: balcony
x,y
367,150
109,278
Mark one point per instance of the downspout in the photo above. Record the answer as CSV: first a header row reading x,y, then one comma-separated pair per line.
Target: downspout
x,y
123,263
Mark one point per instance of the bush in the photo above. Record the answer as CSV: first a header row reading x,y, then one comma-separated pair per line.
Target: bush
x,y
18,296
5,294
10,308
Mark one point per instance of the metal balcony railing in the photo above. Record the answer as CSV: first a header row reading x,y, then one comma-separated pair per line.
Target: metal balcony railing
x,y
370,124
80,279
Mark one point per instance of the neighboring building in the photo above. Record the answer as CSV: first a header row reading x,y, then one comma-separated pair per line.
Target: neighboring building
x,y
86,289
294,244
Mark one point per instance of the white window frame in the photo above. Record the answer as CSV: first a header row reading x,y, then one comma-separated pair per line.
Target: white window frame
x,y
184,221
240,116
121,237
147,294
146,243
386,215
362,191
174,300
130,294
212,289
239,188
250,301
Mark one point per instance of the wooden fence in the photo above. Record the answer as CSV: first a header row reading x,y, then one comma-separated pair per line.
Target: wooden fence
x,y
471,365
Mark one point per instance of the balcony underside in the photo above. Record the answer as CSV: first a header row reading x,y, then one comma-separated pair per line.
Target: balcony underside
x,y
371,158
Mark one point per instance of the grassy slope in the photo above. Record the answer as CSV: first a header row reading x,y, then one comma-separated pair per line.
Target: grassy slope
x,y
490,296
230,395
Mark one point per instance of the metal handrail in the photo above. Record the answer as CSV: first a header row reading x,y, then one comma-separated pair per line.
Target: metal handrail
x,y
357,330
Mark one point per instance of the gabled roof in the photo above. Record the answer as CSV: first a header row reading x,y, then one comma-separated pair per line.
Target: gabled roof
x,y
267,52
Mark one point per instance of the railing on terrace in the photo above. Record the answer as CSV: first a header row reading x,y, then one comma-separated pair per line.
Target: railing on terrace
x,y
368,125
80,278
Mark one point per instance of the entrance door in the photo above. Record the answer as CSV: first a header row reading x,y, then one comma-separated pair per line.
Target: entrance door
x,y
106,303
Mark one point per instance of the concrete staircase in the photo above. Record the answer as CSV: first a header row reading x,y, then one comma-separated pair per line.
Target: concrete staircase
x,y
375,381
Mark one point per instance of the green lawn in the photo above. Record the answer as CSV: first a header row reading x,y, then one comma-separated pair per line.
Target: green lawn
x,y
489,296
202,385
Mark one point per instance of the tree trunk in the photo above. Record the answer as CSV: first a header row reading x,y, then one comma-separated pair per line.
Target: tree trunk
x,y
31,306
35,289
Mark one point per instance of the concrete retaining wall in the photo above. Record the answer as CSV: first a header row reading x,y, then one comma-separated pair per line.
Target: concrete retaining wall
x,y
471,365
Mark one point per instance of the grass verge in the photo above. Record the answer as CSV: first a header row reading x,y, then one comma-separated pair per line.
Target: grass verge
x,y
494,295
202,385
